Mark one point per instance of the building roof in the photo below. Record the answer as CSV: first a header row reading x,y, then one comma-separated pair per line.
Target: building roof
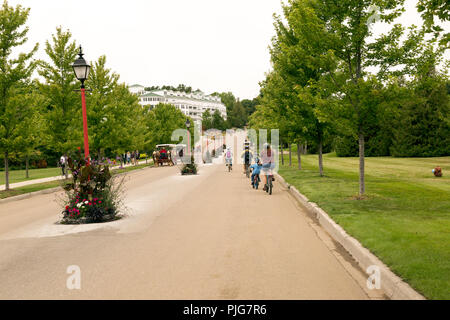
x,y
151,94
136,85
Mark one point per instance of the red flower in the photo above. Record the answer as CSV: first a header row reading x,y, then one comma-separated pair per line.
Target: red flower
x,y
67,207
99,202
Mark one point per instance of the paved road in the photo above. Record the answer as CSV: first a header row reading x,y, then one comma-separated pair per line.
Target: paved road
x,y
201,237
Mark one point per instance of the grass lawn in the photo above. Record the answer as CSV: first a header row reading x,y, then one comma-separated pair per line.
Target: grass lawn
x,y
405,220
19,175
54,184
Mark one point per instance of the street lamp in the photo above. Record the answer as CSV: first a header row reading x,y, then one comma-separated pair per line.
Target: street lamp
x,y
81,70
188,125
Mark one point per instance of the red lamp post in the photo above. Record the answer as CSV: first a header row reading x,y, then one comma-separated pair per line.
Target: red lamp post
x,y
81,70
188,124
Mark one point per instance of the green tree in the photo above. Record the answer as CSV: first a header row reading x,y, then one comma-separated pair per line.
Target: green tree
x,y
63,116
218,122
124,127
207,120
250,105
227,98
422,124
33,126
115,118
237,117
160,123
341,32
16,71
432,9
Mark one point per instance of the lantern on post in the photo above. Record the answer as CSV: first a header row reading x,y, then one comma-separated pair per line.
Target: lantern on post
x,y
81,69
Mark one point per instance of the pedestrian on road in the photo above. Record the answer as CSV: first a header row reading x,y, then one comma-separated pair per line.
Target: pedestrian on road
x,y
133,157
62,162
128,157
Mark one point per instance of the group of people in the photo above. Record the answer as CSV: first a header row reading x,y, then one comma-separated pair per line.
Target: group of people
x,y
265,163
131,157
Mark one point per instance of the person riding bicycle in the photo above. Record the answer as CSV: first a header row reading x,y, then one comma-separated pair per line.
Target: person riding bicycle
x,y
256,170
268,163
247,156
229,158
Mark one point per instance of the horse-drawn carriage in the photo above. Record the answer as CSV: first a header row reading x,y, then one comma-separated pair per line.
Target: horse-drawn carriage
x,y
169,153
163,154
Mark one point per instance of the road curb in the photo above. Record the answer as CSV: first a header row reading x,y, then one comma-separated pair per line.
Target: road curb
x,y
29,195
393,286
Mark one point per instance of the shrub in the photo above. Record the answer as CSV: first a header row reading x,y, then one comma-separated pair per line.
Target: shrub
x,y
190,168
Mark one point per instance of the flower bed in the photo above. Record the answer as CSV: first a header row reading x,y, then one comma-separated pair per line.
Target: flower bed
x,y
93,196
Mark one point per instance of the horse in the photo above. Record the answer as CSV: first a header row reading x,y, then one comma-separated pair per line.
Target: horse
x,y
160,162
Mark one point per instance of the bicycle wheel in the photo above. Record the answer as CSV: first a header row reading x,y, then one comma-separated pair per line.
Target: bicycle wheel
x,y
270,185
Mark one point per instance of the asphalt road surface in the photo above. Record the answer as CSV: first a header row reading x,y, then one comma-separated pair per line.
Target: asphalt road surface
x,y
209,236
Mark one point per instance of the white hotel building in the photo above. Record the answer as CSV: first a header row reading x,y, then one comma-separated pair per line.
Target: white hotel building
x,y
191,104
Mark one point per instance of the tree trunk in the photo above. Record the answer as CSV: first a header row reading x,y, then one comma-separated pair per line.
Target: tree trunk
x,y
299,156
290,155
320,159
6,171
362,187
27,161
282,155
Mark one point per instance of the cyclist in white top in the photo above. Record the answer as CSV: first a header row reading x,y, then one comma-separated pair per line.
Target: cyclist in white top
x,y
268,163
229,158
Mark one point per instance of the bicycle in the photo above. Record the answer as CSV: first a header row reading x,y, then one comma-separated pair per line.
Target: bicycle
x,y
268,188
256,181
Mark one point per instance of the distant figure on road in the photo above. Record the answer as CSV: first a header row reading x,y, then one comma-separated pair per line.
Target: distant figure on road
x,y
62,162
128,157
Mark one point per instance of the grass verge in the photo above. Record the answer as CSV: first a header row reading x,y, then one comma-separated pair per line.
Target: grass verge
x,y
19,175
54,184
404,220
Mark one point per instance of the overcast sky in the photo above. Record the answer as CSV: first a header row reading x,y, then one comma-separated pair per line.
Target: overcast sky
x,y
213,45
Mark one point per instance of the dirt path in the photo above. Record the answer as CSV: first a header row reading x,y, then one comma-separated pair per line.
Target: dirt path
x,y
202,237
